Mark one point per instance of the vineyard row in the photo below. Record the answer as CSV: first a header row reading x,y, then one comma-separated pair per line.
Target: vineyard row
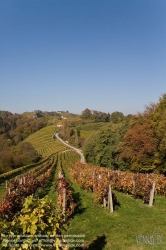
x,y
19,188
97,180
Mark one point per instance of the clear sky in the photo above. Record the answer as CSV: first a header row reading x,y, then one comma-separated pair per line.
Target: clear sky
x,y
105,55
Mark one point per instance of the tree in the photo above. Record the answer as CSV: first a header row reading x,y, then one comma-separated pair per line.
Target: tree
x,y
86,113
6,161
78,132
138,147
101,149
116,117
72,132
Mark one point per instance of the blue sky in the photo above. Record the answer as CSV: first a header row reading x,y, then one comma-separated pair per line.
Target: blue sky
x,y
106,55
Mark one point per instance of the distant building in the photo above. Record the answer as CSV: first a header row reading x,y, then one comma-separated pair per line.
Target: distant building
x,y
63,117
59,124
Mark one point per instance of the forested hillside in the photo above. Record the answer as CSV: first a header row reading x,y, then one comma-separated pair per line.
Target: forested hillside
x,y
136,143
14,128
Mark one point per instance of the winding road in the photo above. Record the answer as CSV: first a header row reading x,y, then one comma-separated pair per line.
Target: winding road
x,y
76,149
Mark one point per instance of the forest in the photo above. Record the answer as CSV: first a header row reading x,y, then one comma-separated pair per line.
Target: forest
x,y
136,144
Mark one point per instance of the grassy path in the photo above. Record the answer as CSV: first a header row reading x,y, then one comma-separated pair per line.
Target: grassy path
x,y
133,226
50,186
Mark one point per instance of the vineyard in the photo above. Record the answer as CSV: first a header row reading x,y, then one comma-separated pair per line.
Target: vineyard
x,y
98,179
44,143
76,201
20,187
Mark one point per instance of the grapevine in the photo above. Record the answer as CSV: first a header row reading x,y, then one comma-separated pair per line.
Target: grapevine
x,y
62,184
19,188
97,179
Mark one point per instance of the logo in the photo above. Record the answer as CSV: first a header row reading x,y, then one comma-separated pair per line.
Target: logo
x,y
153,239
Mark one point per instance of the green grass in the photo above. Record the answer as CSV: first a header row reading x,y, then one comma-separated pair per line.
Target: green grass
x,y
121,229
49,188
87,134
43,142
89,129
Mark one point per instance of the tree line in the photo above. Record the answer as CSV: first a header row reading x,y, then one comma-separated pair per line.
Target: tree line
x,y
134,143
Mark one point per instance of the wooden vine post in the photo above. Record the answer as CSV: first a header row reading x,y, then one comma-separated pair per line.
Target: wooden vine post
x,y
110,202
104,202
147,178
152,194
93,180
133,182
133,187
64,201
